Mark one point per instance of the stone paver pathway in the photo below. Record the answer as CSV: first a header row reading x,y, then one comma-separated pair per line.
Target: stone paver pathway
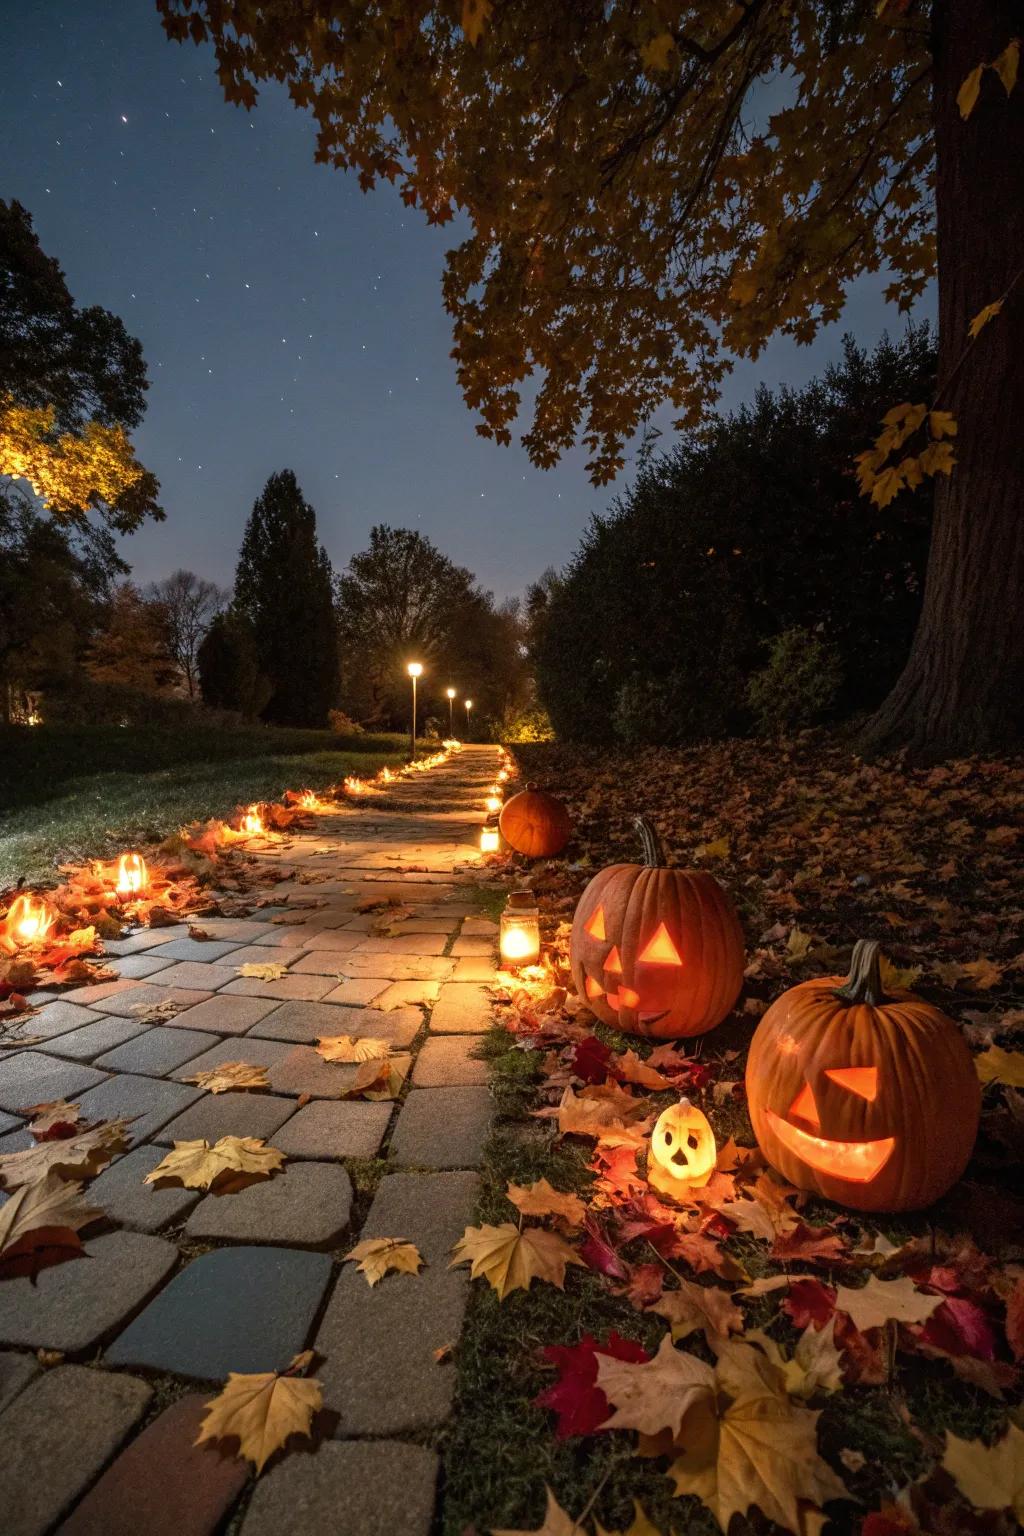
x,y
177,1288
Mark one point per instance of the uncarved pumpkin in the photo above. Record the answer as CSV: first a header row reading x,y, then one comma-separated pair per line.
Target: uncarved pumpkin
x,y
656,951
535,823
867,1099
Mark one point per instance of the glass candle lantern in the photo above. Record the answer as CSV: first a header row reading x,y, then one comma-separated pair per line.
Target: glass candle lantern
x,y
28,921
490,838
132,875
520,931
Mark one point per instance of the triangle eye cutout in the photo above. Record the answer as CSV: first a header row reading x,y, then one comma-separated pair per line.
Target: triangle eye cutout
x,y
613,963
803,1106
592,989
661,950
860,1080
595,925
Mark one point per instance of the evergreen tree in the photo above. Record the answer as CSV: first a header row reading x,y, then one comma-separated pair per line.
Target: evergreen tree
x,y
284,586
229,669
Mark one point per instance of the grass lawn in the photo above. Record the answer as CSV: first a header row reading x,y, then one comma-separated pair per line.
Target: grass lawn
x,y
79,793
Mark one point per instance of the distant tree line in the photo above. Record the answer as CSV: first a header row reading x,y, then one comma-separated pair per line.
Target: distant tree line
x,y
741,582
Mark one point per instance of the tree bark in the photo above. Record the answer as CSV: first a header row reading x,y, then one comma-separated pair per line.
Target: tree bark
x,y
963,686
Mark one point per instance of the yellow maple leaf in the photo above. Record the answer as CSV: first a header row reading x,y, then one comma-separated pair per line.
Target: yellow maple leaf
x,y
263,1411
375,1256
475,16
882,1301
231,1074
983,317
269,972
1007,64
997,1065
942,424
967,95
199,1165
380,1077
76,1157
656,54
632,1070
814,1365
653,1395
510,1260
989,1477
718,849
349,1048
542,1199
984,973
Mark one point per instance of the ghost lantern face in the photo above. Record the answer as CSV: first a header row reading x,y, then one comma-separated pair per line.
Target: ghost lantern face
x,y
683,1152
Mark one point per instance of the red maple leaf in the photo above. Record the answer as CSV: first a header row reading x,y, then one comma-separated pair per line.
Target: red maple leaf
x,y
575,1397
591,1059
809,1301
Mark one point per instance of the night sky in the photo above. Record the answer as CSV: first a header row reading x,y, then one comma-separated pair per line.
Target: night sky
x,y
287,320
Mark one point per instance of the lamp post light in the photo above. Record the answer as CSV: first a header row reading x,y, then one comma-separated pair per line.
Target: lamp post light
x,y
415,670
451,712
469,706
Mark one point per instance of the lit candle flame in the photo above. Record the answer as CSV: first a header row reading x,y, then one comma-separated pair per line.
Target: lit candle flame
x,y
29,922
252,821
132,874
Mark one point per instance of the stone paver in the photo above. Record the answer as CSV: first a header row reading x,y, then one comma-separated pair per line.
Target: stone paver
x,y
146,938
306,1204
473,968
481,947
285,989
357,1488
224,1015
16,1371
397,967
157,1051
260,1053
334,1129
431,1210
359,993
449,1060
203,950
405,994
121,1191
73,1306
149,1102
304,1071
463,1008
33,1077
442,1128
197,977
94,1039
56,1436
235,1113
423,944
235,1309
60,1018
184,1489
140,998
137,967
303,1023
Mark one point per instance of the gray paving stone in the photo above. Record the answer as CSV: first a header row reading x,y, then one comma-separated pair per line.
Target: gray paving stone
x,y
407,994
478,925
101,991
423,944
442,1128
315,962
358,1488
261,1053
59,1018
473,945
146,938
464,1008
449,1061
229,1114
285,989
121,1191
334,1129
16,1371
357,994
235,1309
303,1070
252,954
157,1051
304,1023
8,1122
380,1371
56,1436
338,940
197,976
93,1039
307,1205
203,950
136,967
33,1077
144,996
241,930
224,1015
431,1210
73,1306
152,1100
398,967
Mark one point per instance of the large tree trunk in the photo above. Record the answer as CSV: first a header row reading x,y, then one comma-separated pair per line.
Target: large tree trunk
x,y
963,685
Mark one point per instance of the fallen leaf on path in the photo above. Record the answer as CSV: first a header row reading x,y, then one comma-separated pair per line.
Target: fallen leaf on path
x,y
75,1157
542,1199
989,1477
511,1260
705,1307
200,1165
381,1077
268,972
42,1218
263,1411
657,1394
55,1120
881,1301
349,1048
231,1074
375,1256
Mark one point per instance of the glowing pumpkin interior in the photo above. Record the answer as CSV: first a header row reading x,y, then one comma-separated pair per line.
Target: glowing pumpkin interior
x,y
659,950
857,1161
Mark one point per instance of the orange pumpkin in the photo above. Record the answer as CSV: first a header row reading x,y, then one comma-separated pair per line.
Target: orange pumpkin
x,y
656,951
535,823
867,1099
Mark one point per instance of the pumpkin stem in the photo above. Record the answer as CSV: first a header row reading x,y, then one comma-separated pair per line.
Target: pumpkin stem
x,y
650,842
864,983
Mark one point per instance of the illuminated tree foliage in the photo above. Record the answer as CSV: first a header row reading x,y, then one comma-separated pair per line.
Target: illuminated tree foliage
x,y
72,384
655,188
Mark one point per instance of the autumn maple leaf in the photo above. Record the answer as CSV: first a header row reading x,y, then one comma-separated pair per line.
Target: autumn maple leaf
x,y
577,1400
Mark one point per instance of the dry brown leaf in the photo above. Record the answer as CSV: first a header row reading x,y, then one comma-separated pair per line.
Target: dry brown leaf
x,y
43,1215
631,1069
54,1120
269,972
989,1477
997,1065
814,1365
74,1157
882,1301
656,1394
379,1078
602,1118
707,1307
231,1074
349,1048
375,1256
199,1165
511,1260
541,1199
263,1411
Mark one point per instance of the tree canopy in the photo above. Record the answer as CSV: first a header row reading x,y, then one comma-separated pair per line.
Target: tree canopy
x,y
72,385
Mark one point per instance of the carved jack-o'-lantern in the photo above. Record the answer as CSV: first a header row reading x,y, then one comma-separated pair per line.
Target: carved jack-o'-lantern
x,y
683,1152
656,951
871,1101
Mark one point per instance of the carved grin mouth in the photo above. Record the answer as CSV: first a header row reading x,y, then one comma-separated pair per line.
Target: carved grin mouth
x,y
856,1161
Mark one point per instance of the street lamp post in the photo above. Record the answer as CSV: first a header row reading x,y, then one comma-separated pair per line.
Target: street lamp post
x,y
415,670
469,706
451,711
